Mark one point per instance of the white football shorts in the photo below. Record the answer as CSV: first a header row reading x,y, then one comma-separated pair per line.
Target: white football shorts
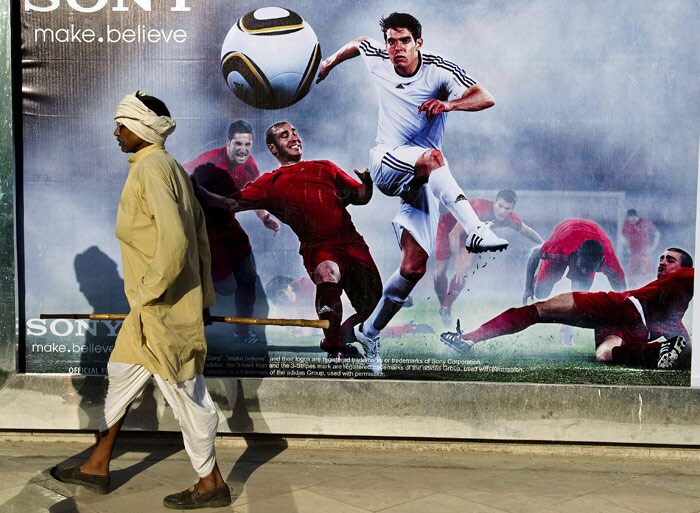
x,y
393,171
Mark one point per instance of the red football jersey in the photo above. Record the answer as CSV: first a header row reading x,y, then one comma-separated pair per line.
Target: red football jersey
x,y
568,236
309,196
216,173
665,301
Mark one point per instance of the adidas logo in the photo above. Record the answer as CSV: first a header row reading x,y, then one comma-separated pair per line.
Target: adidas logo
x,y
325,309
476,241
400,86
461,197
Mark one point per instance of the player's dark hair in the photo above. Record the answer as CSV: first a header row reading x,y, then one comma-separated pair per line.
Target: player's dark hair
x,y
632,212
507,195
153,103
276,286
270,135
240,126
590,253
399,20
686,259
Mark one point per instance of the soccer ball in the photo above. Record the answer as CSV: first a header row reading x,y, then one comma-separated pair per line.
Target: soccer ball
x,y
270,58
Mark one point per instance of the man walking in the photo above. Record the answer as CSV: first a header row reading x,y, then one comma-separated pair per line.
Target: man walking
x,y
166,260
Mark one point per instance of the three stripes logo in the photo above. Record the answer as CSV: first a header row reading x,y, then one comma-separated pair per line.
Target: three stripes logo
x,y
474,242
461,197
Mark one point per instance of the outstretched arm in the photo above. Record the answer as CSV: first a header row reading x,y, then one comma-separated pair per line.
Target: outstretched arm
x,y
532,264
348,51
531,234
463,259
474,99
655,237
213,200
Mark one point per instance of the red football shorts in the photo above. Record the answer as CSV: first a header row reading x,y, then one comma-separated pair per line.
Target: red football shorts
x,y
611,313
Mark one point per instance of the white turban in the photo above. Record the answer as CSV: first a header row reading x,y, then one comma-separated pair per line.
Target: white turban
x,y
142,121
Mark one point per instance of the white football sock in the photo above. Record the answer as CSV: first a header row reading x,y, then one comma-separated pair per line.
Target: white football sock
x,y
443,185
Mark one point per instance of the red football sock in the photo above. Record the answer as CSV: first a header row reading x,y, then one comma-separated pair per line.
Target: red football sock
x,y
510,321
637,355
329,307
453,292
440,283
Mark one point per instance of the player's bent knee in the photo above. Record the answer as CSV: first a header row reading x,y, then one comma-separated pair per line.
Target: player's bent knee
x,y
327,271
413,273
429,161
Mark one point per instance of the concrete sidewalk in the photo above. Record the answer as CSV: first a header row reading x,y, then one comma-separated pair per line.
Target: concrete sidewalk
x,y
353,476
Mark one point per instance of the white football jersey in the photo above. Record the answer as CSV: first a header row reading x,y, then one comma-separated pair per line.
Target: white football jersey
x,y
399,97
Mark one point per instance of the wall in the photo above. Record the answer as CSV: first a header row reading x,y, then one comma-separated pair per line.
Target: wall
x,y
459,410
8,344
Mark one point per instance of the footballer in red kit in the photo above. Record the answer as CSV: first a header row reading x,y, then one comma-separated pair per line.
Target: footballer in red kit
x,y
311,198
224,171
640,237
580,246
627,324
450,242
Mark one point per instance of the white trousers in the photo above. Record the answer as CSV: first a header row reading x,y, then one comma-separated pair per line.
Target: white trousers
x,y
191,403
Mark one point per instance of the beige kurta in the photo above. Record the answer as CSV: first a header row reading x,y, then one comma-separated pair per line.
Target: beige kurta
x,y
166,263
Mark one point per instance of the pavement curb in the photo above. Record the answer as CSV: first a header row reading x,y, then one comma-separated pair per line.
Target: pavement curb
x,y
362,444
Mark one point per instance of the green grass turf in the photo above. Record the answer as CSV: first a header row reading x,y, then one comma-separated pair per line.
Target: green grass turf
x,y
532,356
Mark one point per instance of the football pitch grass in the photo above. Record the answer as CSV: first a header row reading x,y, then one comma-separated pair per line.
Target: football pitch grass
x,y
534,355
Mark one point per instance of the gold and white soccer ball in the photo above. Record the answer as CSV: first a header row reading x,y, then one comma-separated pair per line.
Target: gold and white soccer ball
x,y
270,58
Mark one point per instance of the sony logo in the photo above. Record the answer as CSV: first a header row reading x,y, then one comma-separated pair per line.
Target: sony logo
x,y
88,6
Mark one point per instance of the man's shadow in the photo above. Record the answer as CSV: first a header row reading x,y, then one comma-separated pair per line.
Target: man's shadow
x,y
103,288
259,449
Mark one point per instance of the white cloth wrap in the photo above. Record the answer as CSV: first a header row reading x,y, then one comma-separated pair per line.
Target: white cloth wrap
x,y
190,401
142,121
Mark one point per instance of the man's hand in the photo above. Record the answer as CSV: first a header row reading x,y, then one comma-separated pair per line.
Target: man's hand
x,y
231,205
364,176
324,69
363,194
433,108
528,295
271,224
206,315
463,263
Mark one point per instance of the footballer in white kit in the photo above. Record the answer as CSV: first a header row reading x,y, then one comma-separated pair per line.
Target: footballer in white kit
x,y
404,133
415,91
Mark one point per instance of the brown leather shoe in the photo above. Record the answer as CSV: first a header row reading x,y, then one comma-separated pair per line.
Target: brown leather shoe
x,y
73,475
192,499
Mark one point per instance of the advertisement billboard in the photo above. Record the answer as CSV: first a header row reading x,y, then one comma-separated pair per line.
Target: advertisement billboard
x,y
594,127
